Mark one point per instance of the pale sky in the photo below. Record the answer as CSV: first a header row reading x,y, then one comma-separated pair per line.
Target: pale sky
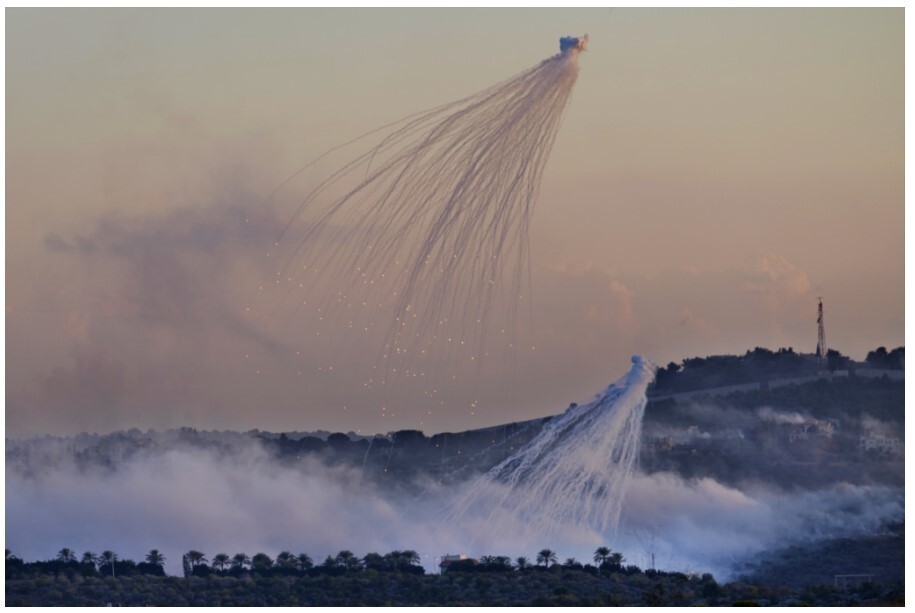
x,y
716,171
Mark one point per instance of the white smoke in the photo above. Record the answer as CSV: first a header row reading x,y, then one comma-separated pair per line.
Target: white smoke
x,y
702,525
188,499
781,417
572,477
564,490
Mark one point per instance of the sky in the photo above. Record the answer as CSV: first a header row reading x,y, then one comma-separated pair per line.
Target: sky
x,y
716,171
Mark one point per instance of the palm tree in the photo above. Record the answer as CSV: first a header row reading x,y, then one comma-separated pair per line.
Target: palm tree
x,y
108,558
374,560
488,559
601,555
66,555
522,563
348,560
196,558
90,558
220,561
286,559
261,561
571,563
616,560
155,557
304,562
392,559
546,557
240,560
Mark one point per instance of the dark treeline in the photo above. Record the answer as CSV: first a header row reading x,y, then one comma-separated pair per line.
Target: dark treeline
x,y
892,360
395,579
196,564
761,364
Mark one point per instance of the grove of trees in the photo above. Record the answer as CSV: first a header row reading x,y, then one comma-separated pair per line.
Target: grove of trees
x,y
392,579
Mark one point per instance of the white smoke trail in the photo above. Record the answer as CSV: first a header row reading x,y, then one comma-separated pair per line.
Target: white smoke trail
x,y
571,478
419,236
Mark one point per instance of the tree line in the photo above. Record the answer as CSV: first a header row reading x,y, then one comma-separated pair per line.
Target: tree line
x,y
196,563
541,581
761,364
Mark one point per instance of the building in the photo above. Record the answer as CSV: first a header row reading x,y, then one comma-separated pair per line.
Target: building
x,y
811,429
449,559
880,443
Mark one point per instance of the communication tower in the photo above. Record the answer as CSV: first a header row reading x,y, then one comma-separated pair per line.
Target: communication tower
x,y
821,333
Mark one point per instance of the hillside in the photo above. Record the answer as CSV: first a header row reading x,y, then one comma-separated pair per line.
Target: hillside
x,y
824,450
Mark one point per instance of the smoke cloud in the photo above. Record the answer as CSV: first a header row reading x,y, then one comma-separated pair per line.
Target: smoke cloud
x,y
245,501
704,526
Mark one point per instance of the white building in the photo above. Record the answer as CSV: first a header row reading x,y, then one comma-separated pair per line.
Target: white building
x,y
880,443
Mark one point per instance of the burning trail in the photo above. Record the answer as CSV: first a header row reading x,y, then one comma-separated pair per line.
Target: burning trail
x,y
420,235
572,477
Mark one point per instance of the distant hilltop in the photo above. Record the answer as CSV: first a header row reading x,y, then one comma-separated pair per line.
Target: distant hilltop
x,y
724,416
761,366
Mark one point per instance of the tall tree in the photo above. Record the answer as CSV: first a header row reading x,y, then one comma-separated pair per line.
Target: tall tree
x,y
285,559
221,561
375,561
66,555
392,559
522,563
546,557
108,558
155,557
304,562
601,555
409,557
240,560
261,561
196,558
348,560
90,558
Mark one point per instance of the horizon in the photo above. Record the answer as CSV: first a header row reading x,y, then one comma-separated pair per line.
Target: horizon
x,y
318,429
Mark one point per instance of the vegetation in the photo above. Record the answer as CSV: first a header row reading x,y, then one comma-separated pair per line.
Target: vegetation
x,y
724,437
400,462
724,370
395,579
761,364
893,360
743,445
800,566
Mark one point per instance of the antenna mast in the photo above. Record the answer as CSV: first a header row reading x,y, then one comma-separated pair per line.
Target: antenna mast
x,y
821,333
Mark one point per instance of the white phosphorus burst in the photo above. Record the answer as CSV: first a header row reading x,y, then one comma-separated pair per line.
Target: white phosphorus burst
x,y
572,477
423,233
